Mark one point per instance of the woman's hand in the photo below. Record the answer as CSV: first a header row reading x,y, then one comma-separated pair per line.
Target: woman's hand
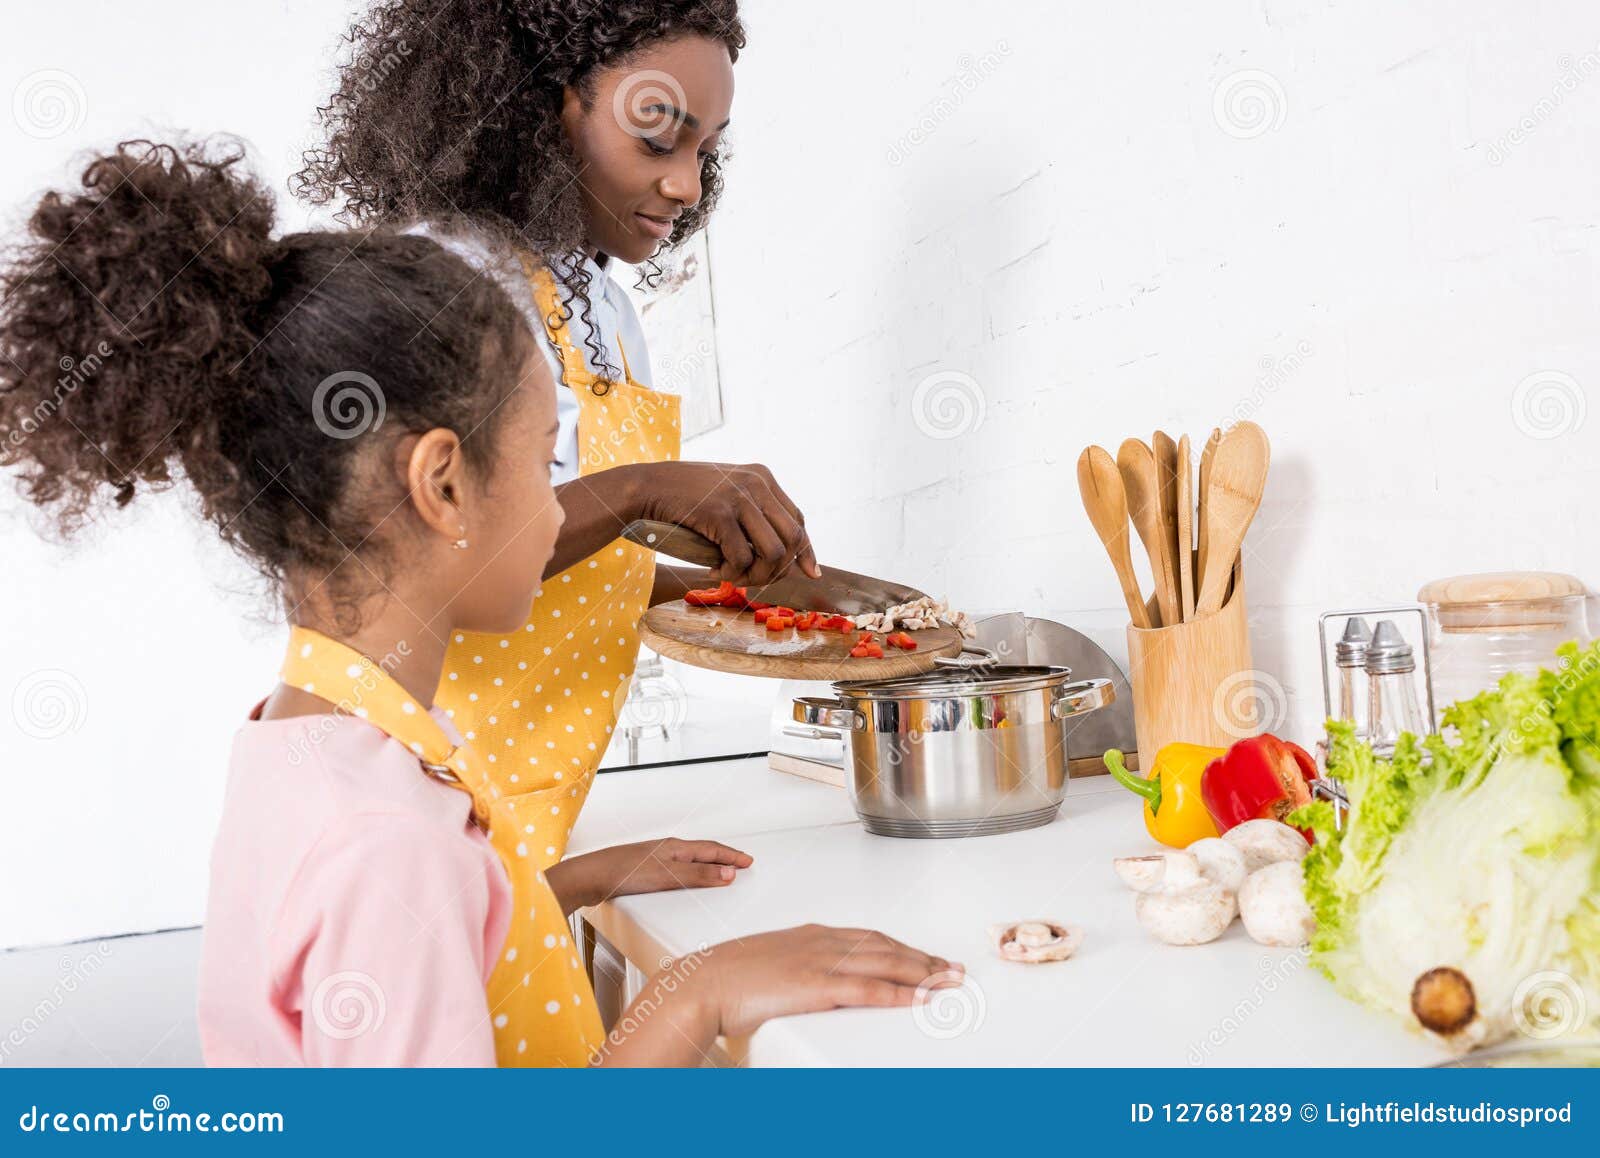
x,y
734,987
741,509
653,866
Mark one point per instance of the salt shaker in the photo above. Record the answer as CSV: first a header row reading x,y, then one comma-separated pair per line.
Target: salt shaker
x,y
1392,706
1350,656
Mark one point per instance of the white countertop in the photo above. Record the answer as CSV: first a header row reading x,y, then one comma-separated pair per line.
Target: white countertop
x,y
1124,999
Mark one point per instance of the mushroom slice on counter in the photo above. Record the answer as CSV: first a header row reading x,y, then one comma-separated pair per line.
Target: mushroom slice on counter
x,y
1033,942
1143,873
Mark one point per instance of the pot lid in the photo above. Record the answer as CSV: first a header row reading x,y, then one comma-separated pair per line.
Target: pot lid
x,y
943,681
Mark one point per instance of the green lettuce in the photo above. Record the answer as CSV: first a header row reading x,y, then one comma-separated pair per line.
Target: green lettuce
x,y
1477,850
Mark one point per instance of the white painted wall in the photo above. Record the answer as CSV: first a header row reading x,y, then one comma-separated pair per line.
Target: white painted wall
x,y
1042,197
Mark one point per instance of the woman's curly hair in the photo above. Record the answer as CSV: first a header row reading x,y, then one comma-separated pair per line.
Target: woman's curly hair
x,y
153,329
450,110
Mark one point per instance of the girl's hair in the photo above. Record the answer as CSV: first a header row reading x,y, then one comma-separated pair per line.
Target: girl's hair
x,y
151,328
452,108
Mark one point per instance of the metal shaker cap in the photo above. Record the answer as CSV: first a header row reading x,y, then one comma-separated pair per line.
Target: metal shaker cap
x,y
1351,650
1389,651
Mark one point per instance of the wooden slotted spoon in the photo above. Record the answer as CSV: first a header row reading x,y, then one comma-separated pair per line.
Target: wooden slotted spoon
x,y
1232,496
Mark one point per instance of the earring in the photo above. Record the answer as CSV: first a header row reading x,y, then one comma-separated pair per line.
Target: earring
x,y
461,543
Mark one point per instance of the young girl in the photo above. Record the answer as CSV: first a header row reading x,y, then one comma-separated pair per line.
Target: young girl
x,y
371,424
589,132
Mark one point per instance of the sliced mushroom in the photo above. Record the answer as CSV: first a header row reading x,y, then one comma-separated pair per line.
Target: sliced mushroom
x,y
1034,942
1143,873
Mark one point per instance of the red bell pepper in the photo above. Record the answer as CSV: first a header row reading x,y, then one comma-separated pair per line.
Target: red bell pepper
x,y
779,622
756,605
764,613
903,641
703,598
805,621
1262,778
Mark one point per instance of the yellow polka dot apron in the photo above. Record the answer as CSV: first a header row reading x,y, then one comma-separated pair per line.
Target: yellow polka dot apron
x,y
540,1003
541,703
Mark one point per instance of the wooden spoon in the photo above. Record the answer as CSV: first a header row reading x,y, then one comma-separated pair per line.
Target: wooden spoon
x,y
1185,529
1166,452
1137,465
1107,506
1232,497
1206,454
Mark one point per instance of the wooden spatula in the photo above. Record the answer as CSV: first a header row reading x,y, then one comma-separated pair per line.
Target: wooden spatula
x,y
1206,454
1137,466
1107,507
1185,530
1166,452
1232,497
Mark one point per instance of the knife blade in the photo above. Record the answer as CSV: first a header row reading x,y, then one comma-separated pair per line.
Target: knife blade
x,y
838,592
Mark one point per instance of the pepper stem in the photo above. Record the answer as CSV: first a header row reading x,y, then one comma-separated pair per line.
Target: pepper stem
x,y
1148,787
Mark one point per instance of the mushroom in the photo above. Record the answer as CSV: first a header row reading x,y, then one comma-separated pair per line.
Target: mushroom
x,y
1143,873
1273,906
1221,862
1185,907
1265,842
1033,942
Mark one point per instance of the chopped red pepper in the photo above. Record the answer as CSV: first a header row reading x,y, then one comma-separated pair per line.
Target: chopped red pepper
x,y
786,612
704,598
903,641
779,622
757,605
764,613
874,651
805,621
1261,778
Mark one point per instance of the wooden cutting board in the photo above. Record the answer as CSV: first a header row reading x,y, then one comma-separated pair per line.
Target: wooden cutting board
x,y
724,640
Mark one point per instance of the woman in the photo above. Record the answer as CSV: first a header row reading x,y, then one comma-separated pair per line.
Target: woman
x,y
588,134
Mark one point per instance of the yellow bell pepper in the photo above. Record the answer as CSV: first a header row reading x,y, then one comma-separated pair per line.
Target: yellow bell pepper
x,y
1174,812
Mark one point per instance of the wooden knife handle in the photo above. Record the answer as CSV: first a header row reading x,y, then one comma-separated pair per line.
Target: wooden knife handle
x,y
671,539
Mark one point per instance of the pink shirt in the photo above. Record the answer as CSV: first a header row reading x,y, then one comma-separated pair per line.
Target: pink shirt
x,y
355,911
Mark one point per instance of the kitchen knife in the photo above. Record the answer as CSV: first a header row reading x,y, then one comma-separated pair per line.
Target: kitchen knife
x,y
838,592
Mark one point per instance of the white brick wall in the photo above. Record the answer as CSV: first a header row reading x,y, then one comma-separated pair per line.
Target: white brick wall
x,y
1046,197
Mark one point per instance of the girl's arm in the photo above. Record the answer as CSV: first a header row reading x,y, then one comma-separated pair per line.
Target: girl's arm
x,y
389,937
732,988
740,508
653,866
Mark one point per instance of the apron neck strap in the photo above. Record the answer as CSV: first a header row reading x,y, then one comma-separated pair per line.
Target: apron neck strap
x,y
361,688
547,296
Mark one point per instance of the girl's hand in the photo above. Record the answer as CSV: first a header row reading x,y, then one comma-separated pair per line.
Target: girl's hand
x,y
654,866
814,968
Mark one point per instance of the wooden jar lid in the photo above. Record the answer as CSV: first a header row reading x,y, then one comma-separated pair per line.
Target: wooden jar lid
x,y
1501,600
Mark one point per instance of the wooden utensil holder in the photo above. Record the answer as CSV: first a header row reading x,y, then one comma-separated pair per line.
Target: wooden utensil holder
x,y
1193,682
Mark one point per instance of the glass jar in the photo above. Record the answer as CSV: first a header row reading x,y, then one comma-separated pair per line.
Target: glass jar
x,y
1483,626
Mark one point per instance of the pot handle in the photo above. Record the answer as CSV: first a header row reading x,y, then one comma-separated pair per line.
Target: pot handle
x,y
1075,699
985,657
820,713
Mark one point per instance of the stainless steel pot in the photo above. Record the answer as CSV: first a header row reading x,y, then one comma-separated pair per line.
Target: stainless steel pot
x,y
958,751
